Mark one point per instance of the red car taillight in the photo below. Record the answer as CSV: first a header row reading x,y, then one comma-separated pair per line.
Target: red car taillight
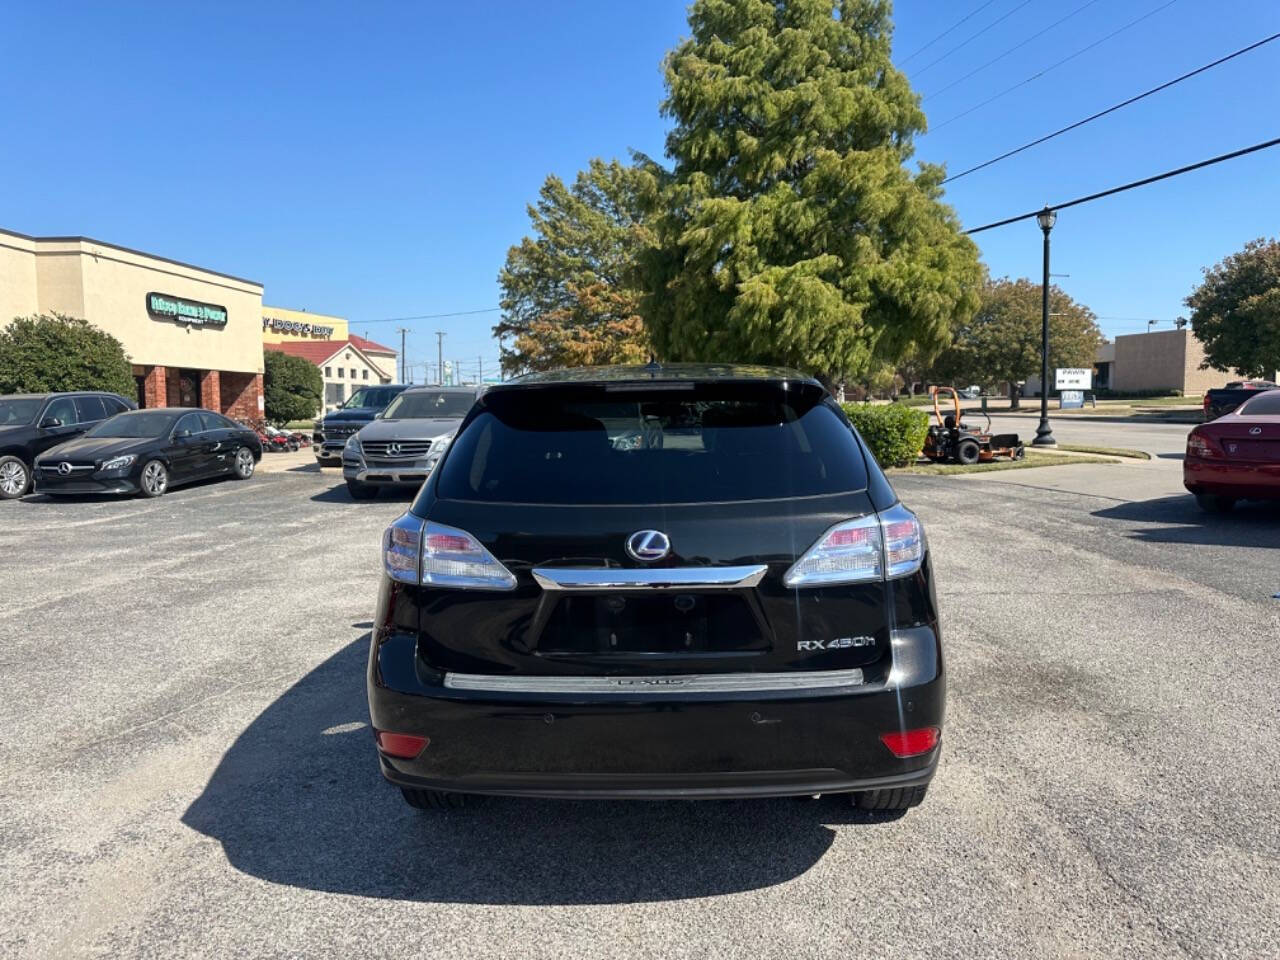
x,y
1202,446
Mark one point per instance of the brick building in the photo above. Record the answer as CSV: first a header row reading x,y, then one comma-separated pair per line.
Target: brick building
x,y
194,336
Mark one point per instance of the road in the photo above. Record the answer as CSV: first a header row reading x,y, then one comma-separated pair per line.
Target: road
x,y
187,769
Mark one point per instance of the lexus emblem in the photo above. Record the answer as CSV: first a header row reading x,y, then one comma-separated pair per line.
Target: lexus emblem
x,y
64,468
393,449
1254,431
648,545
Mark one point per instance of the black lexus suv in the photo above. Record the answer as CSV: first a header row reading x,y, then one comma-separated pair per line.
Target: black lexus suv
x,y
679,581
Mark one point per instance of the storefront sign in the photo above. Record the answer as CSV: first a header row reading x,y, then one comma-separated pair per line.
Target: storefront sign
x,y
1074,378
297,326
162,306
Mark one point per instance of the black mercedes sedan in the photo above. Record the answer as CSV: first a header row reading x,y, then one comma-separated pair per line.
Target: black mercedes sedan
x,y
147,452
681,581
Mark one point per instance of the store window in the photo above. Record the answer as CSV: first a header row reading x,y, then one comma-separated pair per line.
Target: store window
x,y
328,372
366,374
340,372
353,373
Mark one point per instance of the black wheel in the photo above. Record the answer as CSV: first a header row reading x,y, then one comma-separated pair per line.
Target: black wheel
x,y
242,464
15,478
155,479
433,799
361,491
967,452
897,798
1213,503
1019,452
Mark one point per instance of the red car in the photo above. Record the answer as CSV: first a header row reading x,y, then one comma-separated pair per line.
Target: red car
x,y
1237,456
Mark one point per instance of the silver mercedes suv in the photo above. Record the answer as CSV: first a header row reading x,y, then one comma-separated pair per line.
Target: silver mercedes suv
x,y
406,440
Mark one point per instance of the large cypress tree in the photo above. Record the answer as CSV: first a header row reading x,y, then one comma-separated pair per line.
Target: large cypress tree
x,y
791,230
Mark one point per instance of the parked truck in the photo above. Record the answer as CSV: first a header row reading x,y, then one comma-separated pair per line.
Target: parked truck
x,y
1225,399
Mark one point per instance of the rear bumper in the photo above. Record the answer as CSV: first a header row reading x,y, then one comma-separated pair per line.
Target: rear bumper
x,y
1223,478
638,745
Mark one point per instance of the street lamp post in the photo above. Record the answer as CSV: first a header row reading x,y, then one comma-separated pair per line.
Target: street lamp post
x,y
1044,433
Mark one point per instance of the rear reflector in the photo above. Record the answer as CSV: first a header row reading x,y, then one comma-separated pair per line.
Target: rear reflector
x,y
403,745
911,743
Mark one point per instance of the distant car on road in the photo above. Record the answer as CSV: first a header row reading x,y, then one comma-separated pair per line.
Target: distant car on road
x,y
1225,399
149,451
333,430
31,423
1237,456
657,582
405,441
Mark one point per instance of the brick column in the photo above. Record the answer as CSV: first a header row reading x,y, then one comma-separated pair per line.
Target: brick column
x,y
211,390
155,391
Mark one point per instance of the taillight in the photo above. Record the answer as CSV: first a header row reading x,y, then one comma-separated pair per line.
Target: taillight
x,y
406,746
875,547
1202,446
436,555
911,743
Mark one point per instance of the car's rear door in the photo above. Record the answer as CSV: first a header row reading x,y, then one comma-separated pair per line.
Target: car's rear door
x,y
737,480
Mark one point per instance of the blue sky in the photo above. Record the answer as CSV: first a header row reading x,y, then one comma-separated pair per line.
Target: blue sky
x,y
375,160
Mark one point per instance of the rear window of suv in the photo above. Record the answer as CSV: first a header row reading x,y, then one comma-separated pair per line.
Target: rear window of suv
x,y
703,442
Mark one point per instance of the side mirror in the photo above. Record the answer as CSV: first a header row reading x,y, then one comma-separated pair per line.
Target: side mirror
x,y
378,415
48,423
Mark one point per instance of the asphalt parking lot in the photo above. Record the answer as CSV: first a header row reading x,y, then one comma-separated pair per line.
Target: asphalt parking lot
x,y
186,767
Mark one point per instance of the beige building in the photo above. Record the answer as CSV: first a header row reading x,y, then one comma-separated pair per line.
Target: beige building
x,y
283,325
1163,360
344,365
193,335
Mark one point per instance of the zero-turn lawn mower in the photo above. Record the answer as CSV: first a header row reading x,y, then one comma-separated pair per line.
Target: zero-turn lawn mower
x,y
951,440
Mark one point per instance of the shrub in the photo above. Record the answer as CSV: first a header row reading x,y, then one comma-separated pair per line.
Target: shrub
x,y
894,432
292,388
49,353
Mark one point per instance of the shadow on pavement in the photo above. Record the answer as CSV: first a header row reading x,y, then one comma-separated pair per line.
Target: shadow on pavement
x,y
339,494
1250,524
298,800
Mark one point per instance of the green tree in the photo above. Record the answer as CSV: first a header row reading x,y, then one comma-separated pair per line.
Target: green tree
x,y
292,388
51,352
791,230
1001,342
1235,312
569,292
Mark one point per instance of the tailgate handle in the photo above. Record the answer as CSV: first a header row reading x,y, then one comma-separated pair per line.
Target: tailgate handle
x,y
665,578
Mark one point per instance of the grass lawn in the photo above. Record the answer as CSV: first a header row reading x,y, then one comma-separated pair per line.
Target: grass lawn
x,y
307,425
1033,459
1105,451
1151,402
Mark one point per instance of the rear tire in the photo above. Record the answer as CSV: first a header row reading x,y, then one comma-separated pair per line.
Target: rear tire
x,y
15,478
361,491
967,452
242,464
433,799
896,798
1213,503
1019,453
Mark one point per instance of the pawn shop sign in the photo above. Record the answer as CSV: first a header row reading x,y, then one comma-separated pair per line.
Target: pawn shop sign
x,y
1074,378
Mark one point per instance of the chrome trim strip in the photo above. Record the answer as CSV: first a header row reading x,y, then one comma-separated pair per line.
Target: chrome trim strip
x,y
648,578
673,685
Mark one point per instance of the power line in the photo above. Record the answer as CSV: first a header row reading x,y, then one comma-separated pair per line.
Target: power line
x,y
958,23
965,43
1015,47
1130,186
430,316
1054,66
1102,113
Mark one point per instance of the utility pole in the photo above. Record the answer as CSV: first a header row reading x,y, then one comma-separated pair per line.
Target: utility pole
x,y
479,371
440,354
404,362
